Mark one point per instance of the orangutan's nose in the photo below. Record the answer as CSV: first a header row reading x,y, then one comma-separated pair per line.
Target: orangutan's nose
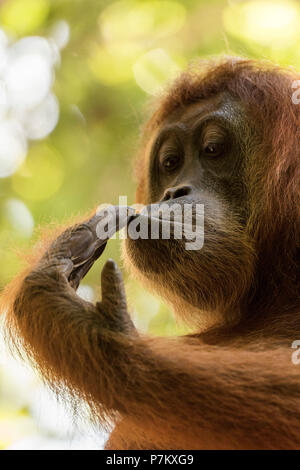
x,y
177,191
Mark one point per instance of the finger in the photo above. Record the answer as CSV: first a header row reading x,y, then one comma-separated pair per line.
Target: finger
x,y
112,219
93,233
112,286
77,248
79,272
116,216
81,244
64,265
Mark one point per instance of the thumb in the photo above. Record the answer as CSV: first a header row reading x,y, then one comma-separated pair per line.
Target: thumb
x,y
112,287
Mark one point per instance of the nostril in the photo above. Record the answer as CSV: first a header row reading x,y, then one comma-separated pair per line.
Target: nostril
x,y
166,196
182,191
176,192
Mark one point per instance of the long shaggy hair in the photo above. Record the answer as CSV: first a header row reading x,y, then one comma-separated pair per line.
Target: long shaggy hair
x,y
232,387
273,165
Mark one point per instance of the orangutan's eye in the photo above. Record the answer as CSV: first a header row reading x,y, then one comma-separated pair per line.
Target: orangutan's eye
x,y
213,149
170,163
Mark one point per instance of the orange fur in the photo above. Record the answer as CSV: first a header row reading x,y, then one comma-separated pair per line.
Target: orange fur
x,y
230,387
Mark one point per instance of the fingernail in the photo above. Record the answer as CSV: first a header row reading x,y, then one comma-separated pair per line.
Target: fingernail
x,y
82,244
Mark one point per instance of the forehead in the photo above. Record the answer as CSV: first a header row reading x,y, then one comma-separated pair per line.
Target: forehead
x,y
221,107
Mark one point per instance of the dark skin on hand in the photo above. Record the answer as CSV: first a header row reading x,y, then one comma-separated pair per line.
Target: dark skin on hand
x,y
225,136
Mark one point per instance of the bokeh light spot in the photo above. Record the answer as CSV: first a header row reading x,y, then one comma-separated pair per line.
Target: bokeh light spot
x,y
40,121
86,292
61,34
13,147
41,175
3,52
28,109
24,16
153,70
32,45
138,20
29,79
19,217
113,66
271,23
4,102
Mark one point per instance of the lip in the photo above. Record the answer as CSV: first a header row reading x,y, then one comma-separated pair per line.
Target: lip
x,y
148,218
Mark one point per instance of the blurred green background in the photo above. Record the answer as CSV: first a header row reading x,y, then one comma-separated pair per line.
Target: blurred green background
x,y
73,98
